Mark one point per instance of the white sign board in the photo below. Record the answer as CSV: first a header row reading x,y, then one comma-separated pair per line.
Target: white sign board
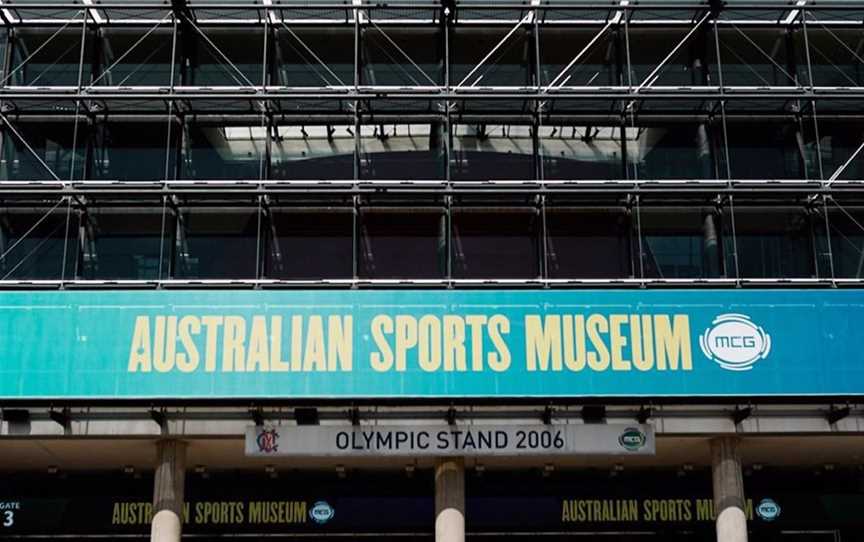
x,y
447,440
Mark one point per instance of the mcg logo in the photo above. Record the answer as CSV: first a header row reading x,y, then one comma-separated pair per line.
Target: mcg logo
x,y
735,342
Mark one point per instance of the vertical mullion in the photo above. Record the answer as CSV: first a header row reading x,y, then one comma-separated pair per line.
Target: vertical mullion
x,y
538,158
4,69
446,17
357,69
812,102
78,99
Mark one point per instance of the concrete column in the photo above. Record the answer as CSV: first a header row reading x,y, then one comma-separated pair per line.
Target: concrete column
x,y
168,486
731,522
450,500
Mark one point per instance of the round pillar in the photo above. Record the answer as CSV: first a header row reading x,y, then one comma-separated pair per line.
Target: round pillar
x,y
450,500
731,521
168,487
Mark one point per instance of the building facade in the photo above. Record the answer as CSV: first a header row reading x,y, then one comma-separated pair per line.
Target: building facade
x,y
513,270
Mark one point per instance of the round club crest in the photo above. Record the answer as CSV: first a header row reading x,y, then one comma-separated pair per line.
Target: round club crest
x,y
768,509
735,342
321,512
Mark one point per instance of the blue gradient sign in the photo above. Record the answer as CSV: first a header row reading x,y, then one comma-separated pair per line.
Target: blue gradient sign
x,y
408,343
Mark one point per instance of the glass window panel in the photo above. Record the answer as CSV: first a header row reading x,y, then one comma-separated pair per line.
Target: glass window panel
x,y
484,152
495,243
216,244
581,152
32,243
760,149
508,65
402,151
296,53
4,43
759,57
128,151
838,142
588,243
680,242
387,65
310,243
50,150
125,243
404,243
53,61
239,64
694,64
846,231
771,242
835,56
313,152
131,59
558,47
671,151
224,152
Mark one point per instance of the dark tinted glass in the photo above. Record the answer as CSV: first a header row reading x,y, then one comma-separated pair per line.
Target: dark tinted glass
x,y
224,152
310,244
671,151
131,58
51,60
846,231
216,244
32,244
581,152
312,152
588,243
680,243
125,244
408,243
224,57
761,150
402,151
495,244
771,243
50,151
133,151
484,152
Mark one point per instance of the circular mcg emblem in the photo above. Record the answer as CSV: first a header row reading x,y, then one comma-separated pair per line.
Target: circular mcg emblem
x,y
768,510
735,342
632,439
321,512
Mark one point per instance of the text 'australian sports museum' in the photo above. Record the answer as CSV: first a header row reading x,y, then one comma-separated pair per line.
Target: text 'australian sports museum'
x,y
432,270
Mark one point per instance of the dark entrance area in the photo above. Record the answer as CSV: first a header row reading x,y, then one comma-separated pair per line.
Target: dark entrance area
x,y
585,505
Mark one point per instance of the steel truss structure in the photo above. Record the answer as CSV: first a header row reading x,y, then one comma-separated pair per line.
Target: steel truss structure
x,y
486,102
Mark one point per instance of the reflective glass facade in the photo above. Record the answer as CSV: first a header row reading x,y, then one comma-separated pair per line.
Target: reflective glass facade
x,y
443,143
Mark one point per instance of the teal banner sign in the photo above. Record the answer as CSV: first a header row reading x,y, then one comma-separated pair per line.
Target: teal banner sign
x,y
409,343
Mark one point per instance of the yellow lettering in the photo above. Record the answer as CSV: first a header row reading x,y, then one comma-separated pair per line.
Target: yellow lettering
x,y
212,324
383,360
340,343
258,356
313,360
406,339
599,360
500,359
541,340
673,342
187,361
618,342
277,364
454,344
429,343
233,349
139,353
